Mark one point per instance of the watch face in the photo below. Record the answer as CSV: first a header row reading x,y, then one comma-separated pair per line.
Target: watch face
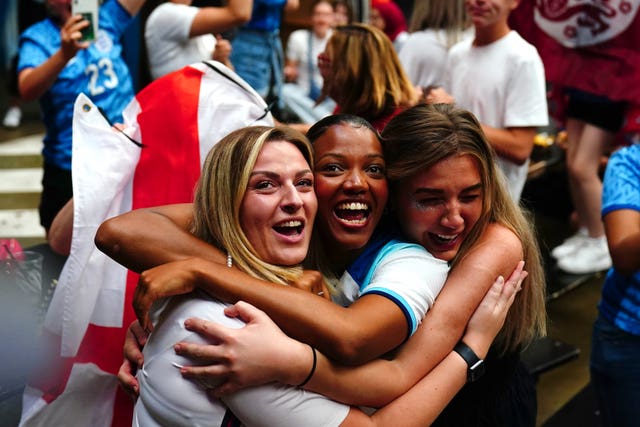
x,y
475,371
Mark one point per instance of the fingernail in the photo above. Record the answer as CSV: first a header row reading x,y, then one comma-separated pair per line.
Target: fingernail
x,y
500,280
187,323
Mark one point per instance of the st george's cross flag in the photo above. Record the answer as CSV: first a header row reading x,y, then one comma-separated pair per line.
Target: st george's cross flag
x,y
169,128
591,45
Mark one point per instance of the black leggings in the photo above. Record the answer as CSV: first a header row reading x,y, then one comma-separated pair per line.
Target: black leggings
x,y
57,189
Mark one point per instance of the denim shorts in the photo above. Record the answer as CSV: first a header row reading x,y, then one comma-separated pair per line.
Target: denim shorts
x,y
258,58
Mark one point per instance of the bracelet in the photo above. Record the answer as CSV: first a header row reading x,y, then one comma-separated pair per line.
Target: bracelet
x,y
313,368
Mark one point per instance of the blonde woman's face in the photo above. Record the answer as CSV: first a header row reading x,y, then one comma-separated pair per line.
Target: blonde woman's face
x,y
279,206
439,206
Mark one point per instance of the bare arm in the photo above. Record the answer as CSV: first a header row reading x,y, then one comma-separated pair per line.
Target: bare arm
x,y
218,19
422,404
146,238
514,144
34,82
61,230
292,5
291,70
369,327
496,253
419,406
222,51
622,228
380,381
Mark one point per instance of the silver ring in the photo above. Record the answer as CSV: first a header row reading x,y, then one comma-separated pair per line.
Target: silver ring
x,y
320,293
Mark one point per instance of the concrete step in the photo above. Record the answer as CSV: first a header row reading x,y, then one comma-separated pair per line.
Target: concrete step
x,y
20,188
21,224
24,152
24,180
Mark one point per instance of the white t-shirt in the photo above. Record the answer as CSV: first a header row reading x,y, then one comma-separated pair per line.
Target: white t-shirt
x,y
424,56
168,399
169,47
298,50
503,84
399,41
403,272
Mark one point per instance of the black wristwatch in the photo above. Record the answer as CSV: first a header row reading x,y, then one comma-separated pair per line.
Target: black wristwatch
x,y
475,365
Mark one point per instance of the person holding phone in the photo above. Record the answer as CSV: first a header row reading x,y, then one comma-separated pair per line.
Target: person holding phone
x,y
177,33
55,65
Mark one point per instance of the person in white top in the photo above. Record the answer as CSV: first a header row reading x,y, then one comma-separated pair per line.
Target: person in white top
x,y
291,406
302,76
500,78
178,34
435,27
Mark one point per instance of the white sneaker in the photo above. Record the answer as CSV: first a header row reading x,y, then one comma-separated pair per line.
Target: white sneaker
x,y
571,244
592,256
12,118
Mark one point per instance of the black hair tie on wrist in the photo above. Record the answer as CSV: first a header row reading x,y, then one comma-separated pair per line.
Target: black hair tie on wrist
x,y
313,368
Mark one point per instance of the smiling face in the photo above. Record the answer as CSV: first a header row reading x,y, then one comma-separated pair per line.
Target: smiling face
x,y
438,207
350,185
279,205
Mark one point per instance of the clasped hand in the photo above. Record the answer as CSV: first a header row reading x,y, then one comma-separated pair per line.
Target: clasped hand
x,y
173,278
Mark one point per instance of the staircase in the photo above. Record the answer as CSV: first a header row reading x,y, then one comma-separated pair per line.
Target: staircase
x,y
20,314
20,188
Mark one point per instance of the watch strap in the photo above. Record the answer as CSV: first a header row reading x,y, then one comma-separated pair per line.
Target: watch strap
x,y
475,365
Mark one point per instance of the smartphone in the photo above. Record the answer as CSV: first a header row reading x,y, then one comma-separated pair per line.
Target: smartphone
x,y
89,11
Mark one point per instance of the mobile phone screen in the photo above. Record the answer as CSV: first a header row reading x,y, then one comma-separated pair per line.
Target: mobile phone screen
x,y
89,11
88,34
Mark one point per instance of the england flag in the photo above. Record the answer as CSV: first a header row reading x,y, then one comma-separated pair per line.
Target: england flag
x,y
156,159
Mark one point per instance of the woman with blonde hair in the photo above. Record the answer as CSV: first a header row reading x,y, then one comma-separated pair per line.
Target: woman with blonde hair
x,y
269,405
363,74
426,135
442,173
261,216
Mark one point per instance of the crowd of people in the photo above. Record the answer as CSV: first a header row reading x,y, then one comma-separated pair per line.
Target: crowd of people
x,y
359,254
